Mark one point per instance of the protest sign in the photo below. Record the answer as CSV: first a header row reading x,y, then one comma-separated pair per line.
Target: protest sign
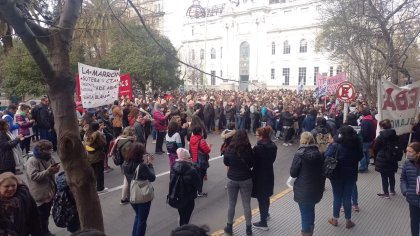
x,y
98,87
398,104
125,88
329,84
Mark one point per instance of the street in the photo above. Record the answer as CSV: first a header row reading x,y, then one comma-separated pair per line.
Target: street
x,y
211,210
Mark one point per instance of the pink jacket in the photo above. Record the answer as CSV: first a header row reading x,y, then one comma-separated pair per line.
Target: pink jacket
x,y
23,128
160,121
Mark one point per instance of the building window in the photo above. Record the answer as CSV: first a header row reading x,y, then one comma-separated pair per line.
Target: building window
x,y
192,55
316,70
338,70
192,30
286,75
303,46
273,73
286,47
273,48
302,75
201,54
213,53
331,70
213,78
221,52
221,73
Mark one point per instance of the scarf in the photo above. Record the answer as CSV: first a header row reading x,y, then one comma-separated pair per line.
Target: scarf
x,y
8,210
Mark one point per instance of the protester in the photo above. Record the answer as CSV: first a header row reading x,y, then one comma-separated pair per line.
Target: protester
x,y
95,143
117,114
410,185
45,123
416,130
18,210
145,172
309,185
160,126
22,119
199,150
367,129
8,145
346,148
173,142
263,173
189,182
40,170
239,158
385,162
8,116
309,122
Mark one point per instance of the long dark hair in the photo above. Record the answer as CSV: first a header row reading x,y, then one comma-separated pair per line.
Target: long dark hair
x,y
94,126
135,151
173,127
240,143
347,136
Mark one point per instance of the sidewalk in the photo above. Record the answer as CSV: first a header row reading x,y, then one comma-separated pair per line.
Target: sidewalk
x,y
385,217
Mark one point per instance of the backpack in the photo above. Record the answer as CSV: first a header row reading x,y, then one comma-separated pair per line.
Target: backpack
x,y
394,151
322,140
63,208
118,157
176,192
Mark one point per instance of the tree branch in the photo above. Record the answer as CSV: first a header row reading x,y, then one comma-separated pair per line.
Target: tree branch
x,y
70,12
396,10
15,18
41,33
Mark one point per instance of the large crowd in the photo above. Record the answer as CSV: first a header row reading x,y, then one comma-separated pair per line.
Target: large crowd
x,y
179,123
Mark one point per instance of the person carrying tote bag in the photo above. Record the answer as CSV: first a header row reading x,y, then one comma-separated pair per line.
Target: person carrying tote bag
x,y
141,190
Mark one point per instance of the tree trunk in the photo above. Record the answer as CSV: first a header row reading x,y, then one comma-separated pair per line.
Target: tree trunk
x,y
7,40
71,150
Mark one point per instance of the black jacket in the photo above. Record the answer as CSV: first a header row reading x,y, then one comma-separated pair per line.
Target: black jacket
x,y
307,168
139,131
383,163
7,160
190,177
263,174
44,117
287,118
239,166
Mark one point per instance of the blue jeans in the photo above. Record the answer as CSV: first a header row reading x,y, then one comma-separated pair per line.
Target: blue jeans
x,y
355,195
342,193
142,212
307,215
364,163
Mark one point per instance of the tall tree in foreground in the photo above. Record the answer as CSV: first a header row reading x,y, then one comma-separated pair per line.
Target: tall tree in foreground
x,y
55,68
374,36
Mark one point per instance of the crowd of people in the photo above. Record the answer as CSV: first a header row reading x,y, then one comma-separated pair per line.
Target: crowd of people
x,y
180,123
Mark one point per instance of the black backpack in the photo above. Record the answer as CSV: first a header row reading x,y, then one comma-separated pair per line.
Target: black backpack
x,y
394,151
63,208
175,197
118,158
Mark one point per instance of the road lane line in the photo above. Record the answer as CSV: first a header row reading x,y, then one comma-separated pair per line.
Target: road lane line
x,y
158,175
241,219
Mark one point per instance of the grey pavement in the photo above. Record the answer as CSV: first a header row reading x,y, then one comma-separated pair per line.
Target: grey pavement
x,y
377,216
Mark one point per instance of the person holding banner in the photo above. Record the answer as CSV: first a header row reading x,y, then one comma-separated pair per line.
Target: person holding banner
x,y
410,185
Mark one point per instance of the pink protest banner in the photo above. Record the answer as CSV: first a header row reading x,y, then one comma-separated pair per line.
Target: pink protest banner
x,y
331,83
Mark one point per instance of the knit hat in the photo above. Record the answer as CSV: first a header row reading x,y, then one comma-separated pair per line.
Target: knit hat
x,y
183,154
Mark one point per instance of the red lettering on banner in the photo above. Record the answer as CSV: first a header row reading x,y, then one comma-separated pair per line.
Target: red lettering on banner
x,y
401,100
413,94
388,102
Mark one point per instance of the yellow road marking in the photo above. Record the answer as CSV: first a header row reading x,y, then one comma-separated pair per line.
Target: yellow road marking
x,y
254,211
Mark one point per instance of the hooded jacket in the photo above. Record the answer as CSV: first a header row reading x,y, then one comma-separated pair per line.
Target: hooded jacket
x,y
191,179
307,169
263,173
309,123
408,180
7,160
382,163
195,141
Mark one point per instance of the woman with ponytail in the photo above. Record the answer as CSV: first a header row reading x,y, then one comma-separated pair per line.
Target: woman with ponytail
x,y
263,174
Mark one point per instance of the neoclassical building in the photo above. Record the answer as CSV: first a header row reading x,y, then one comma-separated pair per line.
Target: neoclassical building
x,y
250,43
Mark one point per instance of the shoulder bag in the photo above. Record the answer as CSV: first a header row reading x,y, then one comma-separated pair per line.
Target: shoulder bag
x,y
141,191
330,164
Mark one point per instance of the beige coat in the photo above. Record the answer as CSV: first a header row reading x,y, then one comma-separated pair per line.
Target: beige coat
x,y
41,182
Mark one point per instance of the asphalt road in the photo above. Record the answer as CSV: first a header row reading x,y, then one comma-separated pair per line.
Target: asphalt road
x,y
211,211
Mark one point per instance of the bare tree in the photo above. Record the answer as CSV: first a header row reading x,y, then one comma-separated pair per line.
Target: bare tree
x,y
56,69
371,33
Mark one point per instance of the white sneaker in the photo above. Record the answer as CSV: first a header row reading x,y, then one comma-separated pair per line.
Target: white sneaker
x,y
154,141
103,190
285,144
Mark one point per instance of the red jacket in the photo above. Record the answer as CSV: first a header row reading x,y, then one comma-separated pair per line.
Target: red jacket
x,y
160,121
194,146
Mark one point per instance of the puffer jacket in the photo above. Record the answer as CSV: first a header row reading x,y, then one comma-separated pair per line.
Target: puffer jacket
x,y
383,164
194,143
239,165
7,160
348,161
307,169
41,181
190,177
408,180
263,173
24,126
